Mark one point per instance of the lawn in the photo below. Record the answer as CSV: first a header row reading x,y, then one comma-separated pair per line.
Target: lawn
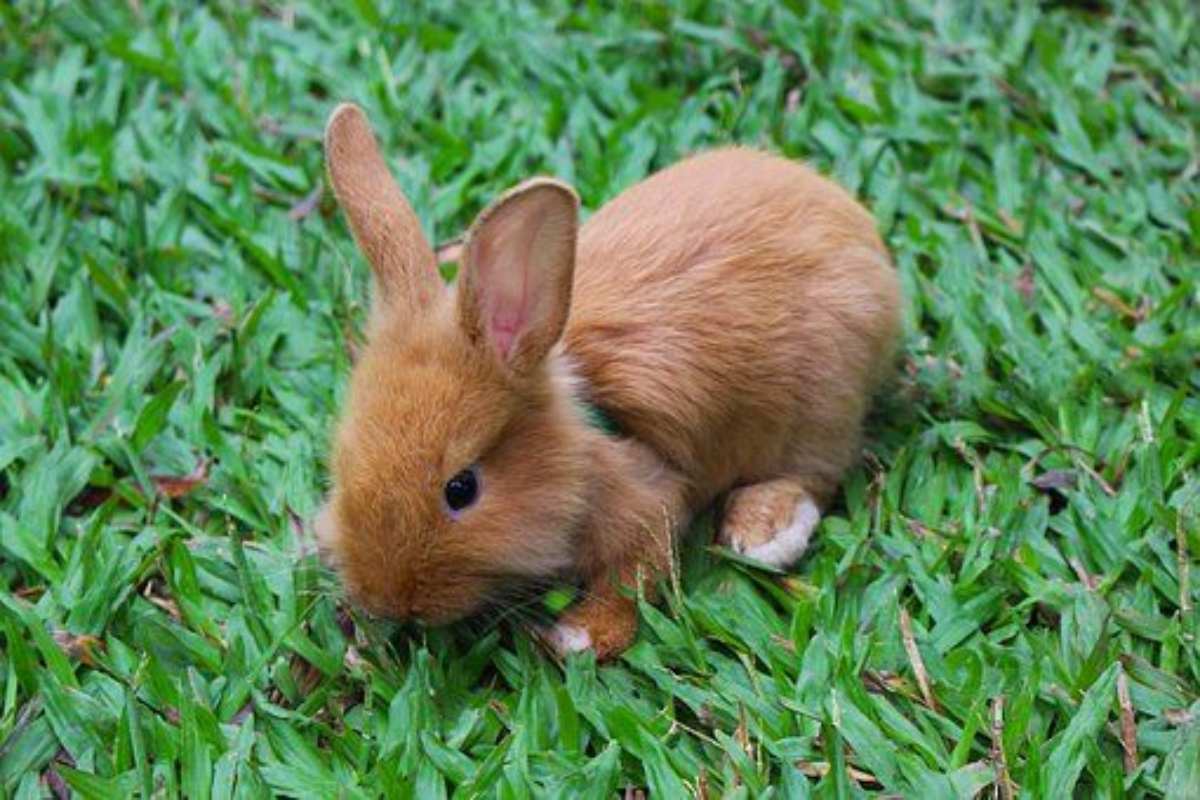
x,y
1002,602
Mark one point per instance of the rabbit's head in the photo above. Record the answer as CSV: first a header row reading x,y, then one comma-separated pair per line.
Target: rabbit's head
x,y
458,468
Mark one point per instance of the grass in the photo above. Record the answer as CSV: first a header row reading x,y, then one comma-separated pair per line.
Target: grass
x,y
1001,602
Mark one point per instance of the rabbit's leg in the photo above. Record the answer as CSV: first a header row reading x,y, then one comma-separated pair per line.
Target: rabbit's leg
x,y
640,511
604,621
770,521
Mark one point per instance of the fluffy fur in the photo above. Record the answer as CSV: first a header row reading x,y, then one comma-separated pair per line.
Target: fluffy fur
x,y
733,313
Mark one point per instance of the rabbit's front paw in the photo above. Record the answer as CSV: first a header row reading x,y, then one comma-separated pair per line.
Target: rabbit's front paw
x,y
564,638
606,627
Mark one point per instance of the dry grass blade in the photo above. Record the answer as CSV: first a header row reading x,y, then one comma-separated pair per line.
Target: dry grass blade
x,y
1178,717
1085,577
57,786
819,769
1110,299
1055,479
307,204
915,660
1004,784
1185,566
742,732
176,486
79,647
1129,753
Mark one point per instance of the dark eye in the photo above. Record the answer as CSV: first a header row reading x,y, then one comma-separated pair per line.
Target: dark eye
x,y
461,490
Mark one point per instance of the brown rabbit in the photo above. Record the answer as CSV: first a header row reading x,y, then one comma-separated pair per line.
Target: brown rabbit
x,y
731,314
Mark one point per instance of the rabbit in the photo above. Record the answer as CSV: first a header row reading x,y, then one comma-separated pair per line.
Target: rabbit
x,y
731,315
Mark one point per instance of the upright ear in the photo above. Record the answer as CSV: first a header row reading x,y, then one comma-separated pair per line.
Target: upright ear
x,y
384,225
518,264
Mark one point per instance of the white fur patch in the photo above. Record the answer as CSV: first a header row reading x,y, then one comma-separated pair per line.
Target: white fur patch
x,y
568,638
788,544
564,372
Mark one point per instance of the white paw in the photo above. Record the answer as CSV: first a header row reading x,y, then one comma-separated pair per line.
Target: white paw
x,y
788,544
567,638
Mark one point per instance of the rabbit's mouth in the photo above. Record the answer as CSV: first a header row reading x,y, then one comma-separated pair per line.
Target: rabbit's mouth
x,y
533,600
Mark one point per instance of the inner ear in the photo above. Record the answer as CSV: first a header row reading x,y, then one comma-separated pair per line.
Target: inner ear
x,y
518,267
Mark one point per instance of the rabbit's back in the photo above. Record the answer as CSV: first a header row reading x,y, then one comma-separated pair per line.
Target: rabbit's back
x,y
728,305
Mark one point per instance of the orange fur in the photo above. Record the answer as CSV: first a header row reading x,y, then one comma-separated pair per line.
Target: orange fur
x,y
733,313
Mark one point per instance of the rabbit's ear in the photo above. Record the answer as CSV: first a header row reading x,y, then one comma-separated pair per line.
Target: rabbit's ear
x,y
384,225
518,265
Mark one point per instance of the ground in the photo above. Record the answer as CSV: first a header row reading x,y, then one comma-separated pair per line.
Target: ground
x,y
1002,601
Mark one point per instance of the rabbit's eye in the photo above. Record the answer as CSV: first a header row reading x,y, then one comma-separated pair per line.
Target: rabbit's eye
x,y
462,490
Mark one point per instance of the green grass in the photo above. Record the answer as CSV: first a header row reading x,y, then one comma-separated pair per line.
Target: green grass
x,y
175,323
